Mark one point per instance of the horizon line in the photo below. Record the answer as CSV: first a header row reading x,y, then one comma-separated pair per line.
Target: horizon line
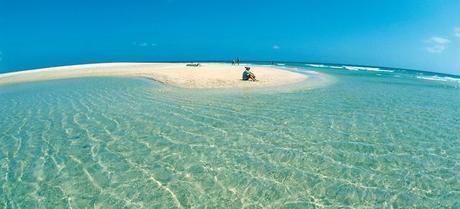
x,y
249,61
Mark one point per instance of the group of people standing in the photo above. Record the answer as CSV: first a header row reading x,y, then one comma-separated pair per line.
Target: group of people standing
x,y
236,61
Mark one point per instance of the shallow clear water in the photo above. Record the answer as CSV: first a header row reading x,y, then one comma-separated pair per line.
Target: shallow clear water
x,y
371,139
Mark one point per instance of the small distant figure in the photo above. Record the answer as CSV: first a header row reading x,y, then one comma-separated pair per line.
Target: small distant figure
x,y
248,75
233,62
238,61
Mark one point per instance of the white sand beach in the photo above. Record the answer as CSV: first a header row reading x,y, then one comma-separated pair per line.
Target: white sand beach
x,y
208,75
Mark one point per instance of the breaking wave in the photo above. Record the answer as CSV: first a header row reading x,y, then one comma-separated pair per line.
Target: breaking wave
x,y
440,78
352,68
375,69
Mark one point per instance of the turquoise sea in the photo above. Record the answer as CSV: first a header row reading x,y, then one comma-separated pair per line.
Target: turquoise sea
x,y
373,138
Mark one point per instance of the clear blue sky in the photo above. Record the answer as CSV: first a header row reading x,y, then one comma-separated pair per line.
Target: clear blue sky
x,y
416,34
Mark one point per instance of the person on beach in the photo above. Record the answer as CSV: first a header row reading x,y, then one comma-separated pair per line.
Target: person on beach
x,y
248,75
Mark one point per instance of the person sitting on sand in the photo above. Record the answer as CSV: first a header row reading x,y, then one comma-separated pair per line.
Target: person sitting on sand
x,y
248,75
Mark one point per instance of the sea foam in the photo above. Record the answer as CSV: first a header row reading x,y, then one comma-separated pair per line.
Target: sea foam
x,y
358,68
439,78
324,66
352,68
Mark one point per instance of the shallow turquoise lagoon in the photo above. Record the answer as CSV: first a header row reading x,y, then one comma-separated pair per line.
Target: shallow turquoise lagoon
x,y
373,138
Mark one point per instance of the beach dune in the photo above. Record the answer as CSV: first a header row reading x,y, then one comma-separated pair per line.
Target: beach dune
x,y
208,75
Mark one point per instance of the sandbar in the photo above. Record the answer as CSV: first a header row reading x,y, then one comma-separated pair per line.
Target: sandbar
x,y
205,76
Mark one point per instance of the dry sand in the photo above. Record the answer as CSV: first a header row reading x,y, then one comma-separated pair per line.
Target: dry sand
x,y
208,75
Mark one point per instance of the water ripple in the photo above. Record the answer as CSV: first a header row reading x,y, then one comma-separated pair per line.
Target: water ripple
x,y
131,143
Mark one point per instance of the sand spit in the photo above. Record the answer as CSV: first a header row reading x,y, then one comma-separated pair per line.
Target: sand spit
x,y
205,76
